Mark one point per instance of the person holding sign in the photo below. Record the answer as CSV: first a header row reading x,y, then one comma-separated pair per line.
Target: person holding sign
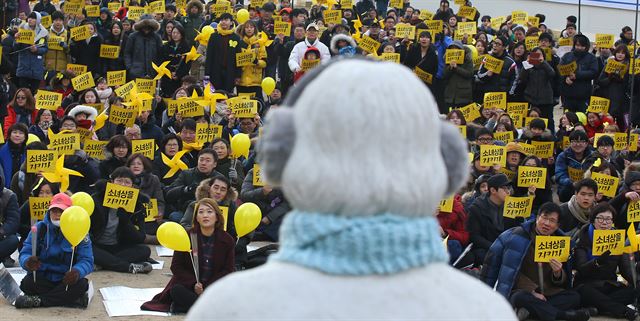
x,y
87,51
421,55
55,284
452,228
458,78
595,123
56,57
251,75
118,235
220,65
231,168
626,201
537,78
614,85
576,87
492,79
118,148
604,152
570,161
575,212
213,262
13,153
541,195
30,69
300,49
150,185
43,189
596,279
311,55
539,290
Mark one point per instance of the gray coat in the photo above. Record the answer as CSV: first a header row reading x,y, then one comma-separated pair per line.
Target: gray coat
x,y
142,49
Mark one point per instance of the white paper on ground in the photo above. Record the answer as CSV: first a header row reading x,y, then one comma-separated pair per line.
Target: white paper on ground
x,y
121,308
17,273
158,266
125,301
163,251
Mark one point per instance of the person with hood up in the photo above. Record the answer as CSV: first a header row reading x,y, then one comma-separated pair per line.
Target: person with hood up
x,y
104,22
84,116
220,63
30,69
54,284
576,88
421,55
299,51
311,54
343,45
143,47
56,58
458,79
193,20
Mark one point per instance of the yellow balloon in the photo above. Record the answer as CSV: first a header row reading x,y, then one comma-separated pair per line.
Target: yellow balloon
x,y
582,118
268,85
240,144
172,235
83,200
242,15
32,138
208,29
75,223
247,218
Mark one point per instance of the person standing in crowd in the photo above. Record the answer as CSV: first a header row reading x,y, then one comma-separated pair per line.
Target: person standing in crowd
x,y
615,85
299,50
487,80
56,58
220,64
193,20
143,47
421,55
87,52
30,71
458,79
576,88
537,77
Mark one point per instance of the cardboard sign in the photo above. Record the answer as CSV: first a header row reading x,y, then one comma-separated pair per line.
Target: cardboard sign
x,y
244,58
398,4
116,78
467,12
608,240
135,13
506,136
454,55
510,174
619,140
536,176
345,4
467,28
604,40
633,212
470,112
93,11
257,176
53,42
151,210
517,112
518,206
423,75
391,57
220,8
113,6
122,115
575,174
477,61
543,149
633,142
80,33
41,161
48,100
156,7
146,86
73,8
26,36
493,64
446,205
493,155
531,42
494,100
109,52
434,25
634,65
405,30
125,90
64,143
243,108
146,147
533,21
552,247
206,133
369,44
38,207
598,105
82,82
332,17
548,54
565,42
280,27
309,64
426,15
565,142
496,22
95,148
519,17
189,108
117,196
614,67
568,69
77,69
607,185
45,21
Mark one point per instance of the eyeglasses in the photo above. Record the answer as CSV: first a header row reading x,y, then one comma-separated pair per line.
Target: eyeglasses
x,y
578,142
484,139
548,220
21,97
601,219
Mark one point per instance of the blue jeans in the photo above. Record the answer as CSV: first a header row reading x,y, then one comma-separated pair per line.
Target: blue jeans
x,y
455,249
176,216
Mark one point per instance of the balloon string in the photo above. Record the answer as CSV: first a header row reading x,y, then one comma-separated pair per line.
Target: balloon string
x,y
73,251
195,272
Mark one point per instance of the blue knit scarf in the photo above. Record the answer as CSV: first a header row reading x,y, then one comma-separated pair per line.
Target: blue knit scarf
x,y
381,244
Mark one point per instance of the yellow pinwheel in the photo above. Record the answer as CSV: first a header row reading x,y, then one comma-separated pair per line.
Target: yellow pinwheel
x,y
264,40
100,120
192,54
161,70
61,174
137,100
188,147
175,163
212,98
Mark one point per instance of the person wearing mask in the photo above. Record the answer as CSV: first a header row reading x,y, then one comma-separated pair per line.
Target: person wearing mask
x,y
576,88
571,160
487,81
299,50
143,47
575,213
421,55
55,284
220,64
511,269
30,70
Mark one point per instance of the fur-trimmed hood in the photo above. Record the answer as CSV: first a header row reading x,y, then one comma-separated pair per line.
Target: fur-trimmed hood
x,y
202,191
196,3
146,23
92,112
339,37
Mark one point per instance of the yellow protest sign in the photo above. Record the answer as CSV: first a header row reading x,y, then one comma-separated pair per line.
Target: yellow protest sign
x,y
38,207
369,44
134,13
151,210
494,100
80,33
146,86
113,6
496,22
73,8
533,21
156,6
423,75
257,175
565,42
493,155
146,147
53,42
244,58
548,54
220,8
389,56
77,69
82,82
434,25
506,136
426,15
575,174
608,240
398,4
510,174
614,67
116,78
528,148
518,206
528,175
243,108
467,28
470,112
46,21
405,30
281,27
454,55
206,133
598,105
64,143
519,17
117,196
26,36
463,130
543,149
48,100
552,247
620,141
446,205
93,11
41,161
531,42
633,212
493,64
308,64
109,52
125,90
517,112
121,115
95,148
604,40
345,4
189,108
607,185
633,142
568,69
467,12
565,142
332,16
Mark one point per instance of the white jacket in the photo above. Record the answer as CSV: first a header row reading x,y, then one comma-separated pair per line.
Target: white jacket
x,y
295,59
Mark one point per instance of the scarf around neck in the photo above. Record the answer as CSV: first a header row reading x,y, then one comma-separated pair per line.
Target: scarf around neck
x,y
578,212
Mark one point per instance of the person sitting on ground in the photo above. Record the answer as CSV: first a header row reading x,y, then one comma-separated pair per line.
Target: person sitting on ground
x,y
575,212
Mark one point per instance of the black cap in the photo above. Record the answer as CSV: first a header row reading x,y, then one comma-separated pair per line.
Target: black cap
x,y
499,180
605,140
269,7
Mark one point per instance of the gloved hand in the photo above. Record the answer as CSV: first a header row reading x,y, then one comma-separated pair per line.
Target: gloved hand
x,y
604,258
33,263
71,277
190,189
233,175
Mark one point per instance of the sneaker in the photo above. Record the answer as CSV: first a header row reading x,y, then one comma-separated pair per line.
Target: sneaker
x,y
144,267
631,315
522,314
27,302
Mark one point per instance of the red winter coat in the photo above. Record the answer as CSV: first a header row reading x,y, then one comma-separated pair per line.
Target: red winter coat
x,y
598,128
453,223
182,269
12,117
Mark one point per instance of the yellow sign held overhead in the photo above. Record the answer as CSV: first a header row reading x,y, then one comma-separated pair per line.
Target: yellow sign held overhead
x,y
528,176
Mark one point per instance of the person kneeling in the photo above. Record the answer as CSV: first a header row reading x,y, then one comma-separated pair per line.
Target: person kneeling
x,y
54,283
215,260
